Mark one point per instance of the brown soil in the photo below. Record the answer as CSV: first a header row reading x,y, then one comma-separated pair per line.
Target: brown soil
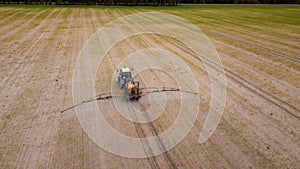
x,y
259,128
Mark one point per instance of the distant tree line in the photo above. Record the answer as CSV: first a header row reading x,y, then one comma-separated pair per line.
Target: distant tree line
x,y
146,2
240,1
95,2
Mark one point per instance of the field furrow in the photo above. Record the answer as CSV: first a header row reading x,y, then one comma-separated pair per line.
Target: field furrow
x,y
257,45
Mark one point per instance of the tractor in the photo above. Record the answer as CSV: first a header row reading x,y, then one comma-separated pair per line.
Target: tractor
x,y
127,83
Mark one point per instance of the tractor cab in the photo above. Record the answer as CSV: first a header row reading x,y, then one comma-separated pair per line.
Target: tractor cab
x,y
124,77
125,73
127,83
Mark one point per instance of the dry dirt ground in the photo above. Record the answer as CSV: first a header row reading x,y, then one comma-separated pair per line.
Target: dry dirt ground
x,y
259,48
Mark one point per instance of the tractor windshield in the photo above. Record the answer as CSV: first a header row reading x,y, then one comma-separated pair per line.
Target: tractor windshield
x,y
126,75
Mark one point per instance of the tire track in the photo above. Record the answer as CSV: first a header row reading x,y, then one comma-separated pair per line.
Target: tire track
x,y
52,89
150,157
15,19
257,57
244,29
154,130
244,82
147,149
52,127
262,93
54,150
229,160
17,31
32,33
23,150
80,139
213,153
75,121
264,49
11,14
247,84
21,42
141,133
270,97
14,28
179,153
253,45
16,70
14,86
167,156
139,130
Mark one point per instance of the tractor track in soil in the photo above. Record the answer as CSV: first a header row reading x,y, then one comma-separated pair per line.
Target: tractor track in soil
x,y
22,157
264,49
19,27
255,91
240,80
260,48
259,127
26,56
244,29
141,134
153,129
152,160
11,16
252,87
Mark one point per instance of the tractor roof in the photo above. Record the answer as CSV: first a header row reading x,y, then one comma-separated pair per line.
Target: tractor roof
x,y
125,69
